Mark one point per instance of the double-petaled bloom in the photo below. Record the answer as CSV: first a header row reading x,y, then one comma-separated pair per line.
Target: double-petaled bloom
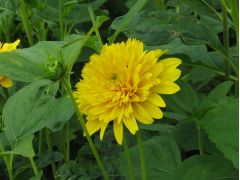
x,y
122,85
7,47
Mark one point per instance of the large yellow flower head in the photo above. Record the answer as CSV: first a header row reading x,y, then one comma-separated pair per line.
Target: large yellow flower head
x,y
122,85
7,47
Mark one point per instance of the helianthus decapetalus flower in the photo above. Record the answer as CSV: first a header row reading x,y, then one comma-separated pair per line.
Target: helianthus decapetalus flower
x,y
122,85
7,47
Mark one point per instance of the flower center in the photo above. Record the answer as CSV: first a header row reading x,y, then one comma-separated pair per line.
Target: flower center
x,y
123,90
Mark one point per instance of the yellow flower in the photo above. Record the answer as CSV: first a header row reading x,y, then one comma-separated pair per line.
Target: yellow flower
x,y
122,85
7,47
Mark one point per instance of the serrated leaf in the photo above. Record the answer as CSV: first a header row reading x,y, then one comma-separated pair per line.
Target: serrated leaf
x,y
221,125
158,28
27,111
205,168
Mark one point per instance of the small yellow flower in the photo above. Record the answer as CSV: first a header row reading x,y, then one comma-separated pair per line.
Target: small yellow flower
x,y
122,85
7,47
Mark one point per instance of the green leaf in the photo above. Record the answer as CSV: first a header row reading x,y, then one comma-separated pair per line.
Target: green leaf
x,y
221,125
158,28
185,135
23,147
38,176
196,53
185,101
73,44
62,112
215,98
161,155
28,64
121,23
198,6
28,110
205,168
220,91
47,157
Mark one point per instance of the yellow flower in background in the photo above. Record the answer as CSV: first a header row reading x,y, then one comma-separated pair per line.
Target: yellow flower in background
x,y
122,85
7,47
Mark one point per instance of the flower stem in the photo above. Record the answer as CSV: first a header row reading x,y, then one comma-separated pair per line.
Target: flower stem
x,y
9,166
68,142
127,154
61,22
82,123
7,162
9,169
200,142
141,156
26,23
34,167
49,144
226,41
6,28
95,25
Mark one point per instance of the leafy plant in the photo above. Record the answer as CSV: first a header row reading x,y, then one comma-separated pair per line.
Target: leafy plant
x,y
42,138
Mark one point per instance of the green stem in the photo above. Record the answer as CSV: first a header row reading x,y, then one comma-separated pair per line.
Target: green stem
x,y
95,25
61,22
234,67
68,142
49,144
162,4
212,8
141,156
127,154
26,23
234,78
7,160
236,89
44,31
200,142
10,165
9,169
82,123
34,166
6,28
226,41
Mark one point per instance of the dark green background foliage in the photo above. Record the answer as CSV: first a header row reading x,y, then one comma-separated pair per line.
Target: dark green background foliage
x,y
196,140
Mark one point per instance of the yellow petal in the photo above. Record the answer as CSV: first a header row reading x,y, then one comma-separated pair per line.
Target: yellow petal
x,y
157,69
171,62
103,128
166,87
131,124
170,75
152,110
141,114
120,114
118,131
156,99
6,82
98,109
93,126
